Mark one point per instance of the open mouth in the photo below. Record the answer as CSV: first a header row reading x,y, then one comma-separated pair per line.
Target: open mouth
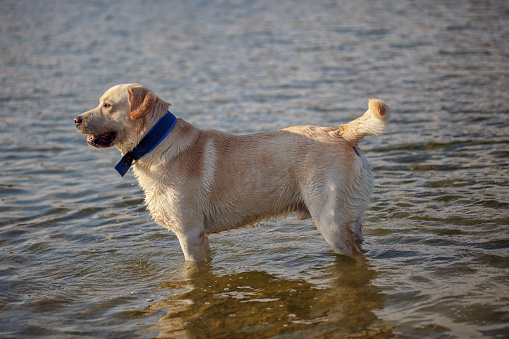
x,y
101,141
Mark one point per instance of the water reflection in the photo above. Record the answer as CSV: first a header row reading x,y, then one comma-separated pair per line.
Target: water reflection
x,y
340,300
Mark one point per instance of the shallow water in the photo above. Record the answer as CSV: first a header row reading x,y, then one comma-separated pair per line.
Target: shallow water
x,y
80,255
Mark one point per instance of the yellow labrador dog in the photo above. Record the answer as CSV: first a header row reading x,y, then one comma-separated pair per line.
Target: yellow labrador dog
x,y
199,182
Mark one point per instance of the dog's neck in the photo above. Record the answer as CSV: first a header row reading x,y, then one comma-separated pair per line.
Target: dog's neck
x,y
152,168
156,134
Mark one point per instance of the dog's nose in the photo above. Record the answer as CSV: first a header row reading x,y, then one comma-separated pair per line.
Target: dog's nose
x,y
78,120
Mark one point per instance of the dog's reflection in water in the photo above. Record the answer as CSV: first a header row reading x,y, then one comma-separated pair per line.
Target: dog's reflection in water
x,y
339,300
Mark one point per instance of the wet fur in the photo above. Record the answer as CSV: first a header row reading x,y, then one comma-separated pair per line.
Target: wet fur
x,y
198,182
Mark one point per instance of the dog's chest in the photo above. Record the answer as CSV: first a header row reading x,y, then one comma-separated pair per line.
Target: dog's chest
x,y
162,205
160,197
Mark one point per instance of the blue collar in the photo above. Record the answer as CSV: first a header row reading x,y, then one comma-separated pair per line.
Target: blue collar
x,y
148,143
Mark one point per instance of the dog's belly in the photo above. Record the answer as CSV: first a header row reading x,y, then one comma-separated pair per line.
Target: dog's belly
x,y
182,207
251,208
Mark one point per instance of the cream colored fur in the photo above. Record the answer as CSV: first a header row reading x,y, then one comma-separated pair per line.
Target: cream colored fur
x,y
199,182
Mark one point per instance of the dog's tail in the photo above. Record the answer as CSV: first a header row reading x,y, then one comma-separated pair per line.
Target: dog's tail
x,y
374,121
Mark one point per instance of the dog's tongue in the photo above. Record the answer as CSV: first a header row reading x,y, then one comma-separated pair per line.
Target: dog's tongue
x,y
101,139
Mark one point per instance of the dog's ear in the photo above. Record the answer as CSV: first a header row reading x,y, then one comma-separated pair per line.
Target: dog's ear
x,y
141,101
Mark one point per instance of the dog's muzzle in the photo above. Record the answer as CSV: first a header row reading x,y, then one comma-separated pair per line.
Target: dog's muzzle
x,y
78,120
99,141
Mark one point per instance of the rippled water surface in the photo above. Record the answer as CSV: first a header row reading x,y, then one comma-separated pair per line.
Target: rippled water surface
x,y
80,255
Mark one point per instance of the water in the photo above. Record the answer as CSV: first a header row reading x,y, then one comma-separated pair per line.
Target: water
x,y
80,255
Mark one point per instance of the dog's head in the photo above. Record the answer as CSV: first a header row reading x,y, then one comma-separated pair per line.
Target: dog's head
x,y
122,116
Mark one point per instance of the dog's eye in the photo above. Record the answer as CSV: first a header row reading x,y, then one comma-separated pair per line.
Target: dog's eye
x,y
105,105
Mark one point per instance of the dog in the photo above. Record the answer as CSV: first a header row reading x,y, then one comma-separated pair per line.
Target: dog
x,y
198,182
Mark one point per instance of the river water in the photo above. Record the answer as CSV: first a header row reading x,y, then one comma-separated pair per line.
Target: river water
x,y
81,257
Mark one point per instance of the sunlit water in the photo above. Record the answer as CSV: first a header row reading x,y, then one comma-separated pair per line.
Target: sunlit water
x,y
80,256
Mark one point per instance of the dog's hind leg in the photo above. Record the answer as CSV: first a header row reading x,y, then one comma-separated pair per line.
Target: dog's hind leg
x,y
338,233
206,245
333,218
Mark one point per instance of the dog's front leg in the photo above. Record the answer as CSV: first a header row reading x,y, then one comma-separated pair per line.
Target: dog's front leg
x,y
195,245
357,228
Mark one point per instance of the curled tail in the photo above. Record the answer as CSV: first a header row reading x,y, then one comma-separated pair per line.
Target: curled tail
x,y
374,121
